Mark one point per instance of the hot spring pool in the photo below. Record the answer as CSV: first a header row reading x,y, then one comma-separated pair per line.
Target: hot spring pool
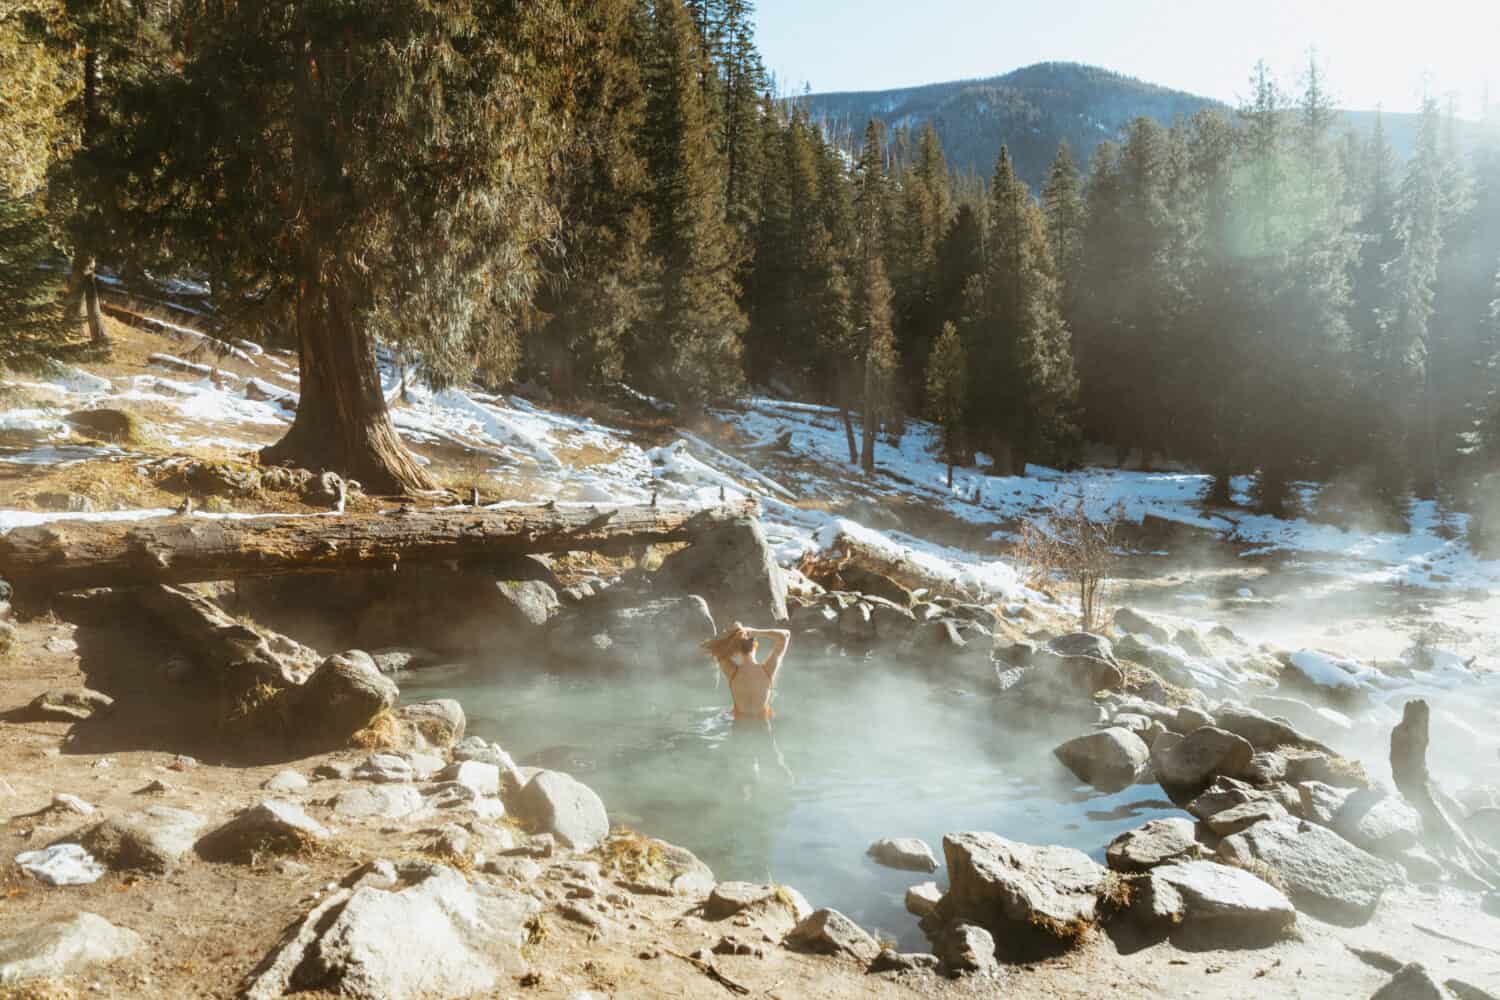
x,y
857,752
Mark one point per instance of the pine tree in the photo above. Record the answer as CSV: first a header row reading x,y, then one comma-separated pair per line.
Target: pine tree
x,y
872,293
33,92
920,219
1024,384
32,323
1403,353
691,348
403,196
1062,201
947,392
600,273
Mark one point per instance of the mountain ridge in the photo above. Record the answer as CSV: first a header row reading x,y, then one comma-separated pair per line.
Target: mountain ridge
x,y
1033,108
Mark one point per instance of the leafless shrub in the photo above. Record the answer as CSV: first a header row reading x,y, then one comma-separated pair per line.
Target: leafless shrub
x,y
1070,546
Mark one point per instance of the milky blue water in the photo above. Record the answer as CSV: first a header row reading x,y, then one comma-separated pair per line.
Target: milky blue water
x,y
856,752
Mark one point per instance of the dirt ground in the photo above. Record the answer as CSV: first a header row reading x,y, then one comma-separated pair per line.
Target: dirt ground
x,y
208,924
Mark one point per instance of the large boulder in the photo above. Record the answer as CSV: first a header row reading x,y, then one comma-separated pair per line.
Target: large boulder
x,y
243,652
1379,822
1110,760
1158,842
440,936
1192,761
62,948
558,804
155,839
1325,874
1262,731
343,696
732,568
829,932
1218,899
1035,897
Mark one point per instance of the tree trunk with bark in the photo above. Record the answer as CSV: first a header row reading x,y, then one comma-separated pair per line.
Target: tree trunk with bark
x,y
342,422
1440,832
849,435
76,555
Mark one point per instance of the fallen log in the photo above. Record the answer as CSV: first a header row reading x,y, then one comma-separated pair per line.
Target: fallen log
x,y
78,554
850,563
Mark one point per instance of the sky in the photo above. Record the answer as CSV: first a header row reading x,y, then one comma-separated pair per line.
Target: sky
x,y
1375,52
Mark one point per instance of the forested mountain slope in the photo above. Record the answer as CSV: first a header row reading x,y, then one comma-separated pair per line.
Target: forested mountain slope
x,y
1033,108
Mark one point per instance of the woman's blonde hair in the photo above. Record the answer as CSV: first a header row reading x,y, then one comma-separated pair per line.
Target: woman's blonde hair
x,y
732,640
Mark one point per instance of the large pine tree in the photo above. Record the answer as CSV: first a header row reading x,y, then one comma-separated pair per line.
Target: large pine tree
x,y
1023,388
690,347
873,296
357,175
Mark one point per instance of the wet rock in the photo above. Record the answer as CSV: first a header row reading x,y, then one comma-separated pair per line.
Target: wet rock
x,y
729,899
470,936
343,696
154,840
273,826
964,947
894,961
1134,622
922,899
1325,874
904,853
393,661
1219,899
440,722
733,569
70,704
378,802
64,947
1226,793
1197,758
285,783
1017,890
1158,842
829,932
621,632
532,601
1377,821
1110,760
564,807
484,779
1413,982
